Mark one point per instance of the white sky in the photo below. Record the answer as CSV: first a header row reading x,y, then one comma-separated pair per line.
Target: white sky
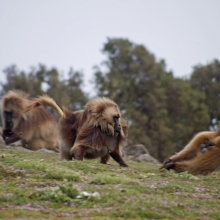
x,y
70,33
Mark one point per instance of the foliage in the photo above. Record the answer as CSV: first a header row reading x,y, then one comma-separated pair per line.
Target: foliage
x,y
187,113
59,194
16,79
206,78
141,191
40,80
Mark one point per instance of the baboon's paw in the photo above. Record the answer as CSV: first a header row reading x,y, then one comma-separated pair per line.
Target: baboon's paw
x,y
168,164
204,147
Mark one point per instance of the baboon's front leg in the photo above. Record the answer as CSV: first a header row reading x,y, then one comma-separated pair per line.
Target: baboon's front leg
x,y
117,157
78,152
168,164
9,137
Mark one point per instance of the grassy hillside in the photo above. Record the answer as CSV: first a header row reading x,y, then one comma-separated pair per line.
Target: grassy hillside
x,y
36,185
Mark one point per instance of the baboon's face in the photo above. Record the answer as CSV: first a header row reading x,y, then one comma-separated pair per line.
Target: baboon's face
x,y
117,125
105,114
8,120
111,116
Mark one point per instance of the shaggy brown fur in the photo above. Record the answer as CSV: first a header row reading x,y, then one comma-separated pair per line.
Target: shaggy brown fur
x,y
96,131
200,156
36,129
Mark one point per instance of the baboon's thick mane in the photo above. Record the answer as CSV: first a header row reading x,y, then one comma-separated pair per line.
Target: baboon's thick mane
x,y
98,105
101,112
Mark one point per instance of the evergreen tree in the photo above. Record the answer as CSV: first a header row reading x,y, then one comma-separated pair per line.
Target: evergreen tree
x,y
66,91
19,80
207,80
187,112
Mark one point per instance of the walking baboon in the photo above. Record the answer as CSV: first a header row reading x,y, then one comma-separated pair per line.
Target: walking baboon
x,y
200,156
36,129
97,131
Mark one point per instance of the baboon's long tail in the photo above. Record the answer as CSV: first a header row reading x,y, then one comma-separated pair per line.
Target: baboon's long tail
x,y
45,100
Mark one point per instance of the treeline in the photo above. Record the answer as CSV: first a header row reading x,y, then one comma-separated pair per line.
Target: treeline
x,y
163,111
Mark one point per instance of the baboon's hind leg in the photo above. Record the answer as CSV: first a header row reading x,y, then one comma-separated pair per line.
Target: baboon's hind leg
x,y
105,159
65,152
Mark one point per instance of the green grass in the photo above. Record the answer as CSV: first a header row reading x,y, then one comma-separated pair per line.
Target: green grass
x,y
36,185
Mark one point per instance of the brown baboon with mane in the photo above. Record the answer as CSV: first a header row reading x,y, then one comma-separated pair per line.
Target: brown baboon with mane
x,y
97,131
36,129
200,156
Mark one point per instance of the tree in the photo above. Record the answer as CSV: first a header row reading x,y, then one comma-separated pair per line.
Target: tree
x,y
207,80
187,112
16,79
66,91
77,97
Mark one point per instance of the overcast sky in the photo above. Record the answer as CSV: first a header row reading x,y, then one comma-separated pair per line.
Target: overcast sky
x,y
71,33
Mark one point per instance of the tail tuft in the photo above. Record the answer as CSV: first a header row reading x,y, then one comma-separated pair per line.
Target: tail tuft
x,y
32,106
45,100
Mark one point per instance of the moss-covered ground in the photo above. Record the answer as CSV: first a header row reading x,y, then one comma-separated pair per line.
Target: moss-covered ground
x,y
36,185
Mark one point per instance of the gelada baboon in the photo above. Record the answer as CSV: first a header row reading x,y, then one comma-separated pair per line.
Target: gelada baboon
x,y
97,131
200,156
36,129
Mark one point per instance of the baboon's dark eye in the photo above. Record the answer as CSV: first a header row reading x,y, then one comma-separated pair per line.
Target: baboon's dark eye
x,y
9,114
116,117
